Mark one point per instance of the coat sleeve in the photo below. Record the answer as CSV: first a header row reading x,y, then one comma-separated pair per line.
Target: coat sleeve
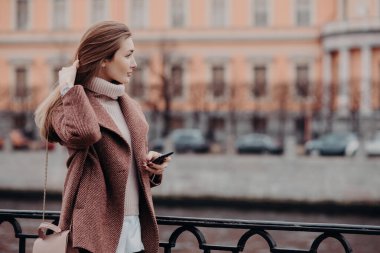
x,y
75,122
155,180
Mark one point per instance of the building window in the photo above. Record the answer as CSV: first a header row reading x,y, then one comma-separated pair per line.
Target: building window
x,y
217,123
176,122
218,83
137,83
218,13
259,81
22,14
21,91
259,124
59,14
303,12
176,74
98,10
260,10
177,13
302,80
138,15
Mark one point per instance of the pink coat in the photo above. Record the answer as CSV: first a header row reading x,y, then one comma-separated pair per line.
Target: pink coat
x,y
98,165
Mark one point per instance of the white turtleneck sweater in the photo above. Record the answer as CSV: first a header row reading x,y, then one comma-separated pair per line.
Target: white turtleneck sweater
x,y
107,94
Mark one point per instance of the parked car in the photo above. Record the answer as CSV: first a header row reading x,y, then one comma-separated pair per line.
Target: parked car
x,y
372,147
258,143
339,143
157,145
20,141
312,146
188,139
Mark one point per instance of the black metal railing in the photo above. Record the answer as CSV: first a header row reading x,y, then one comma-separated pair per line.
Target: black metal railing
x,y
259,228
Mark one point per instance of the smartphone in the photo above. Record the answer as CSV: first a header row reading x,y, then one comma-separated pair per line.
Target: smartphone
x,y
160,159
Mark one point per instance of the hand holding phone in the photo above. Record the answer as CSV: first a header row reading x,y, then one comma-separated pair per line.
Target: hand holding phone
x,y
161,158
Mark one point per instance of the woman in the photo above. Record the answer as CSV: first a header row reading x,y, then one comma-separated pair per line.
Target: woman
x,y
107,198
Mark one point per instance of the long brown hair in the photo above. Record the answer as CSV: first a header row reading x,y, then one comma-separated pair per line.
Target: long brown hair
x,y
100,42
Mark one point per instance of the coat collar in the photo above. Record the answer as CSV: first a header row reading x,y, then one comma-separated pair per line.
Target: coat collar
x,y
135,121
104,118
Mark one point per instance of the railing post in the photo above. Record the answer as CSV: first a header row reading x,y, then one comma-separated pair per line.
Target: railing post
x,y
168,250
21,245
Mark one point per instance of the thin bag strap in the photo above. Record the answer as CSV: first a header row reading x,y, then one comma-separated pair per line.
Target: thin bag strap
x,y
46,176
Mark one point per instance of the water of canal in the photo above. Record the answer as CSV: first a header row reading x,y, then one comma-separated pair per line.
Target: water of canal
x,y
188,244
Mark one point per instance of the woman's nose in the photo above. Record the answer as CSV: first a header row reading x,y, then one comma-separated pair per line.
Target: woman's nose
x,y
134,64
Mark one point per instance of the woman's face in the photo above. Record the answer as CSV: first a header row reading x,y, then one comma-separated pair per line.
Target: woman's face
x,y
119,69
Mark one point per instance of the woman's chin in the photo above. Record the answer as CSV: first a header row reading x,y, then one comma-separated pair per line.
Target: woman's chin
x,y
123,81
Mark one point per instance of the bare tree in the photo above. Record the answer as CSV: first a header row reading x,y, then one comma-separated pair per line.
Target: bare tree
x,y
153,106
281,96
333,91
5,108
317,105
165,88
198,101
355,105
235,103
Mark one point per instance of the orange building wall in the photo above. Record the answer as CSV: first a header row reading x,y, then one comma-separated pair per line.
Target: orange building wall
x,y
376,78
239,52
334,90
354,85
5,13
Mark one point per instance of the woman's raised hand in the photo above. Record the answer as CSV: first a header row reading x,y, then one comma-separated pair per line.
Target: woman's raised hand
x,y
67,77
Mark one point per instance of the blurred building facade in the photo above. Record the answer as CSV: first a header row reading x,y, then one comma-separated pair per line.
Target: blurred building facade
x,y
299,67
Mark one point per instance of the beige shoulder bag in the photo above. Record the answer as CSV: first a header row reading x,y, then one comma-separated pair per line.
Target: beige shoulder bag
x,y
56,242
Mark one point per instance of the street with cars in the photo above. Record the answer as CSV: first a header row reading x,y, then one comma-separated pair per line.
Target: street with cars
x,y
339,143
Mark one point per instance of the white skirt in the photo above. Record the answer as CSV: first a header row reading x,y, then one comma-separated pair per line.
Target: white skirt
x,y
130,238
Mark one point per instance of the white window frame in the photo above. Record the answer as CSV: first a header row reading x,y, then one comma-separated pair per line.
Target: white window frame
x,y
30,16
17,63
218,61
226,14
144,66
296,66
183,62
266,61
310,62
67,15
106,11
186,14
269,8
312,13
57,61
145,15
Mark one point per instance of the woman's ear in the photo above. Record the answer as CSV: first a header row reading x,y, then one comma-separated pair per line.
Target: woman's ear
x,y
104,62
